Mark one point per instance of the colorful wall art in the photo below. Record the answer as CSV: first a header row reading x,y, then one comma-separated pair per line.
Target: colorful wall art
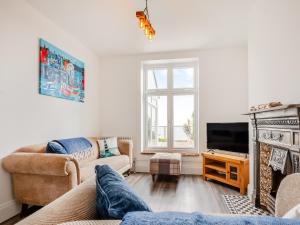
x,y
61,75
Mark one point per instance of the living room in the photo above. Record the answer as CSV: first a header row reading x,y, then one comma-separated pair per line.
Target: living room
x,y
154,79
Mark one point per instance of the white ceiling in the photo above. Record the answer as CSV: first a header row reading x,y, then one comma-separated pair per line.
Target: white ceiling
x,y
109,27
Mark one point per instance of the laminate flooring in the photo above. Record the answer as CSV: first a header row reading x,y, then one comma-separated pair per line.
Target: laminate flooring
x,y
188,193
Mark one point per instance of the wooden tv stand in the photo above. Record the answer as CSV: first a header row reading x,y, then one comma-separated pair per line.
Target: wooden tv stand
x,y
228,169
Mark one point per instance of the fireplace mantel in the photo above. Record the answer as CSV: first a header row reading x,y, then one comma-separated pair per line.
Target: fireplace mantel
x,y
278,130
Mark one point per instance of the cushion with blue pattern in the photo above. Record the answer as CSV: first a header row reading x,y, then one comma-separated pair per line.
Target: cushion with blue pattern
x,y
114,197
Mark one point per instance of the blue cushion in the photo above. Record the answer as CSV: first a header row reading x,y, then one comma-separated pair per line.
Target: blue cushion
x,y
68,146
54,147
73,145
181,218
114,198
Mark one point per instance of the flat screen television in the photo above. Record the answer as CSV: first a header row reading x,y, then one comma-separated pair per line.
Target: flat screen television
x,y
232,137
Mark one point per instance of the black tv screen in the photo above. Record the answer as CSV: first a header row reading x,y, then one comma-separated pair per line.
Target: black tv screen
x,y
228,136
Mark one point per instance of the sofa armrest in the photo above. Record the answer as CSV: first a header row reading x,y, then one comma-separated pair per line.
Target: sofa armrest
x,y
288,194
126,147
41,164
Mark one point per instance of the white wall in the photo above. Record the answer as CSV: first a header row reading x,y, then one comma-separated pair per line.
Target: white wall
x,y
112,104
25,116
274,53
223,95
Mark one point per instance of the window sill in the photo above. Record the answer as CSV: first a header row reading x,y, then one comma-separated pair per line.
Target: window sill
x,y
183,153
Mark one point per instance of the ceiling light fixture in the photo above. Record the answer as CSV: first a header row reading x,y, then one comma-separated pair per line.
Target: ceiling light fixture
x,y
144,22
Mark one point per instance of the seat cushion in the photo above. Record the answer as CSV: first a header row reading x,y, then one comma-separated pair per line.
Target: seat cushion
x,y
115,162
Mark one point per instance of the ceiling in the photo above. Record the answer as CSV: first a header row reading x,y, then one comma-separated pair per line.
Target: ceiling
x,y
109,27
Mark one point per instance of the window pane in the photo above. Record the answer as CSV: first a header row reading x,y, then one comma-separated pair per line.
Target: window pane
x,y
183,124
157,79
157,121
183,77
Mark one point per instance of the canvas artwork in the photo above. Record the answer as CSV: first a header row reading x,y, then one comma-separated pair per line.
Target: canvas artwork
x,y
61,75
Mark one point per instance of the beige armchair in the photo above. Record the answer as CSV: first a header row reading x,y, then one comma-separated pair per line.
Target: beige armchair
x,y
288,194
39,177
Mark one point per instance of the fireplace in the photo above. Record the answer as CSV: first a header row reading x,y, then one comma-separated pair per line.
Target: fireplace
x,y
275,164
276,151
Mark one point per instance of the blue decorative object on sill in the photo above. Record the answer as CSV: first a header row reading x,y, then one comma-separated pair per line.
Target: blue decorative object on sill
x,y
114,198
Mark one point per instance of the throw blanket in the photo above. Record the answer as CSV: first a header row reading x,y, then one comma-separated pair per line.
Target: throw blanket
x,y
73,145
179,218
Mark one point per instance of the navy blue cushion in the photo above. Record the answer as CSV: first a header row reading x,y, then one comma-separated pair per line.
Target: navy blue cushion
x,y
73,145
68,146
114,198
54,147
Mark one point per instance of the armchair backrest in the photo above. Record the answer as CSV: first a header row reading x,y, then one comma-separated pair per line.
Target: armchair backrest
x,y
38,148
288,194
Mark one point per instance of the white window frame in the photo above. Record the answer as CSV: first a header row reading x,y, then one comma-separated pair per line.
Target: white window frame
x,y
170,92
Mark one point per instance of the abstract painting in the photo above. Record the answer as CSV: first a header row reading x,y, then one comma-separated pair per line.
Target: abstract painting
x,y
61,75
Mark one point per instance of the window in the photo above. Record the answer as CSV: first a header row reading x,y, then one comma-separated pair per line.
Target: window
x,y
170,106
157,78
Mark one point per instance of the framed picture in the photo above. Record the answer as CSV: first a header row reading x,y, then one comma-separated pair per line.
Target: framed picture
x,y
61,75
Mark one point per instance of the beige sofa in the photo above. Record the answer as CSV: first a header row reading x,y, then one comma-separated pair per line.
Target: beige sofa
x,y
79,205
39,177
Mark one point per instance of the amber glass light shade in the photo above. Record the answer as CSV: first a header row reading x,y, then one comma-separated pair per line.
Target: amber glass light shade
x,y
151,35
142,23
147,30
145,24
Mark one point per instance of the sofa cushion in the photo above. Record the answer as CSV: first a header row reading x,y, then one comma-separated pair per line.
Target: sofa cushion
x,y
114,197
68,146
115,162
73,145
55,147
108,147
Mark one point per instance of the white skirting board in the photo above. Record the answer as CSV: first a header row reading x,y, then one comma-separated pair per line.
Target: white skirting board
x,y
251,192
8,210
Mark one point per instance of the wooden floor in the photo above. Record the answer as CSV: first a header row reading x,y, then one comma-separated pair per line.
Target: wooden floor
x,y
187,194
